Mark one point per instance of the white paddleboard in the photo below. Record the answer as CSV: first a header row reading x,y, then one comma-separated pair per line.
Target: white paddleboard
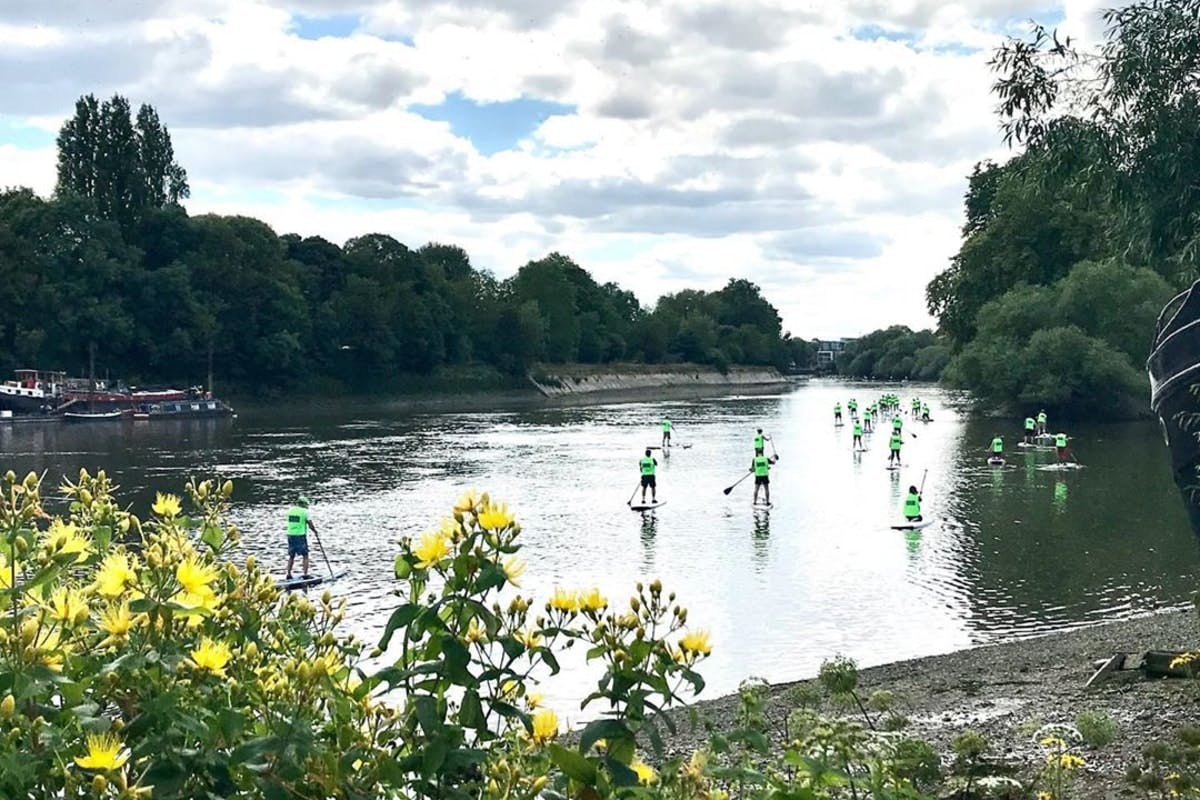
x,y
763,506
1064,467
905,525
301,582
647,506
995,462
894,466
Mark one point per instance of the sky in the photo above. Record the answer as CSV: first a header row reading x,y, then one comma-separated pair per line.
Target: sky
x,y
819,149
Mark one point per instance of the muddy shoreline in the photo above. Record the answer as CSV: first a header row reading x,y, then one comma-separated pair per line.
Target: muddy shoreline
x,y
1007,691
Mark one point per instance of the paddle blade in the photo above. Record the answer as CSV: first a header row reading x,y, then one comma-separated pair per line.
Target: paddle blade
x,y
728,489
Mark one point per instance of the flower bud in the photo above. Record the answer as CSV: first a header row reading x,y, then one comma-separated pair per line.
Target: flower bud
x,y
22,545
251,651
7,706
83,474
227,489
99,785
102,475
202,490
31,480
10,476
85,497
656,587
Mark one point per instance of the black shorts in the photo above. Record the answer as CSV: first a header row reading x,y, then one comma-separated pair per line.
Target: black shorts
x,y
298,545
762,480
648,480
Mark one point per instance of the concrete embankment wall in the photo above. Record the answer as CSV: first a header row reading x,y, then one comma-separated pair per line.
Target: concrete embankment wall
x,y
561,384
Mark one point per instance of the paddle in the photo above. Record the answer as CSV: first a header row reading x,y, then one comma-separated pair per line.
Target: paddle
x,y
774,452
739,480
629,502
323,555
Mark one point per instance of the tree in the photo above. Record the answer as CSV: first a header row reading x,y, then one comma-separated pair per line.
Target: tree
x,y
1137,123
122,168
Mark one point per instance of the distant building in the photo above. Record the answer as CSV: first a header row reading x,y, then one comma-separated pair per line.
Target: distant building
x,y
829,351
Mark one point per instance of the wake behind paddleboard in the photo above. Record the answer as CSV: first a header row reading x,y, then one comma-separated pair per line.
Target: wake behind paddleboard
x,y
647,506
307,582
912,526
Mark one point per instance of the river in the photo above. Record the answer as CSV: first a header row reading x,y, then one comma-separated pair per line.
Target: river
x,y
1014,552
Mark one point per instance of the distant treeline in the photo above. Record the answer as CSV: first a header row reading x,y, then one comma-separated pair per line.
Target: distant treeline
x,y
112,261
1071,248
895,353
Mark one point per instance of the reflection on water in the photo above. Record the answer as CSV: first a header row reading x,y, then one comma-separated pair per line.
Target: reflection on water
x,y
1014,551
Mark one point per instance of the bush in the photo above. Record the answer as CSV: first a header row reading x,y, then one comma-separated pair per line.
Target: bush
x,y
1097,727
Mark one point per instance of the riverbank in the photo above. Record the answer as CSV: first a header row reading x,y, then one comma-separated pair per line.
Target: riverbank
x,y
1007,692
615,379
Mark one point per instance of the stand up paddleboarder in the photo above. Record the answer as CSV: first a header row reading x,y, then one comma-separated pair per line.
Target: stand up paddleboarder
x,y
761,467
298,526
647,465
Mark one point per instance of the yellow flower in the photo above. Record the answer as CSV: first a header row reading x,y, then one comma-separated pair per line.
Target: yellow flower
x,y
476,632
646,774
211,656
104,752
1044,796
166,505
6,572
495,516
564,600
64,537
194,576
68,606
513,569
115,575
452,530
528,638
593,600
1054,741
545,725
468,501
1068,761
534,699
434,546
695,642
116,621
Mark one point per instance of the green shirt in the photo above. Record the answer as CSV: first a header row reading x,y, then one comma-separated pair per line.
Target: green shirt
x,y
647,465
666,426
1030,424
297,521
896,441
759,442
912,506
762,466
1060,440
997,445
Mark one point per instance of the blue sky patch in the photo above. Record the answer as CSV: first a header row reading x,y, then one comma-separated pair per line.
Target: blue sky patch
x,y
871,33
491,127
22,136
333,25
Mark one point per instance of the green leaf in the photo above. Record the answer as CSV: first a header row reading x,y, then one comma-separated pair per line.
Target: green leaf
x,y
254,749
102,536
610,729
457,662
213,536
622,774
433,757
470,713
426,711
573,764
402,617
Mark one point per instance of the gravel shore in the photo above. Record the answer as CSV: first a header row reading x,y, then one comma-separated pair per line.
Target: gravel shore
x,y
1006,691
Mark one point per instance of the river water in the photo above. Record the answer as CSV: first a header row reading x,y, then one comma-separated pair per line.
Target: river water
x,y
1014,552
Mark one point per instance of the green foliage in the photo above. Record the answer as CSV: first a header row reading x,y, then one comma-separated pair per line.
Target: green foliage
x,y
895,353
1097,727
113,261
1071,347
1101,204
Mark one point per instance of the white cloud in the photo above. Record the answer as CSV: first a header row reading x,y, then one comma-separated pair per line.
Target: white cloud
x,y
709,139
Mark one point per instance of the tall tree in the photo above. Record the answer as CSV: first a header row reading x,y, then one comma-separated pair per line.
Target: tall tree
x,y
123,168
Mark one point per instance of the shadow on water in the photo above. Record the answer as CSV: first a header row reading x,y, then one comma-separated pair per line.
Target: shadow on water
x,y
1012,553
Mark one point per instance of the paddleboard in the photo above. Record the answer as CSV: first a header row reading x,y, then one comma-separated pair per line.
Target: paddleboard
x,y
860,449
763,506
996,462
894,466
302,582
1060,467
647,506
838,424
905,525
